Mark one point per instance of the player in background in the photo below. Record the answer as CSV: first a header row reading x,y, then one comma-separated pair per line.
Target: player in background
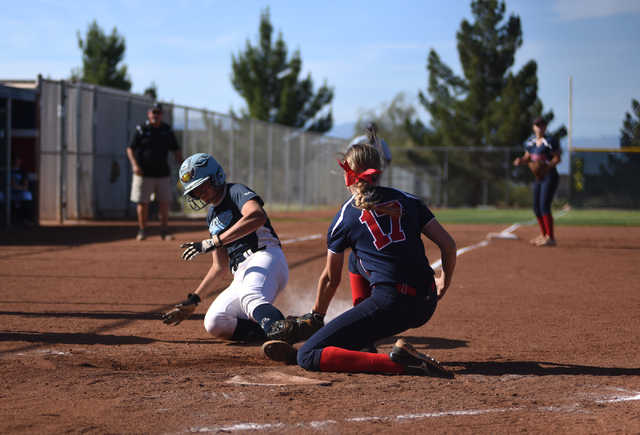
x,y
383,226
360,288
544,149
241,241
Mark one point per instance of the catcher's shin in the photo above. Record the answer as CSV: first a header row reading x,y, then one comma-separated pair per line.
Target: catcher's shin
x,y
539,169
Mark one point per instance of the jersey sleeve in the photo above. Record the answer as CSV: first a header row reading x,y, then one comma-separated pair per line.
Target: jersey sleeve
x,y
426,215
135,138
338,234
240,194
173,142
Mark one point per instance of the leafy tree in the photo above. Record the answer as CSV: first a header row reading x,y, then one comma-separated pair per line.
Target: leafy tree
x,y
390,121
490,105
630,132
152,91
101,55
269,83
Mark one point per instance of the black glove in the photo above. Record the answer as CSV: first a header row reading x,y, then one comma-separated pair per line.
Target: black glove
x,y
310,323
182,311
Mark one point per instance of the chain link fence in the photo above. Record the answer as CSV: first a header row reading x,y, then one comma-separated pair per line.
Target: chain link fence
x,y
84,172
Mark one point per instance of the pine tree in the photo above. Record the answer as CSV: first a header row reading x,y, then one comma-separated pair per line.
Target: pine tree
x,y
490,105
269,83
630,132
101,55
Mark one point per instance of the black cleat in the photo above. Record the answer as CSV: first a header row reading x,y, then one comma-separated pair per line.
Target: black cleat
x,y
277,350
414,362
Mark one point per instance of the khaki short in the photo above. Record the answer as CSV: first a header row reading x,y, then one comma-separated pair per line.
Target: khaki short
x,y
143,187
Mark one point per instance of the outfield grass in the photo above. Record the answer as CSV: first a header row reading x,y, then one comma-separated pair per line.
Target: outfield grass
x,y
511,216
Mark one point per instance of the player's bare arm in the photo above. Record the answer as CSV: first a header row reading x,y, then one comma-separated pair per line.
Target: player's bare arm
x,y
555,161
448,249
216,274
329,282
522,160
134,163
210,282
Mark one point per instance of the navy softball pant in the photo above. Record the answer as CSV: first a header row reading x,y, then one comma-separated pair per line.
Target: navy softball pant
x,y
543,191
386,313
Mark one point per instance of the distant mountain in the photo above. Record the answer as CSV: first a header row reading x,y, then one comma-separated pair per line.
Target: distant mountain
x,y
343,131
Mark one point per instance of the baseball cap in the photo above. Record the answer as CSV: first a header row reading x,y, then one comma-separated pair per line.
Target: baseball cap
x,y
157,107
539,121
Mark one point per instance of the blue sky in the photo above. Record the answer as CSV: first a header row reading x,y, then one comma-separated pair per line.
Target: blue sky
x,y
368,50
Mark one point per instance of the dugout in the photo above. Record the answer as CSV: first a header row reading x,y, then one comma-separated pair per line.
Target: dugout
x,y
18,134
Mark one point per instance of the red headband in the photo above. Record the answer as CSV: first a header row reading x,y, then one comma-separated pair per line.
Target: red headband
x,y
352,177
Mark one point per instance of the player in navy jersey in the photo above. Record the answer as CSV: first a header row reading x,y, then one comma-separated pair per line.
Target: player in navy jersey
x,y
383,228
543,149
243,242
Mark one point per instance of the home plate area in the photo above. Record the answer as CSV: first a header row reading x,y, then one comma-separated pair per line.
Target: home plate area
x,y
274,379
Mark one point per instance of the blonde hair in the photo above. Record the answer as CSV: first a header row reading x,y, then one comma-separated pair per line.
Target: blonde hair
x,y
361,157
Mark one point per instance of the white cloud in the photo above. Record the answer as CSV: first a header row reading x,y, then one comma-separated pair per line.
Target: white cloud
x,y
579,9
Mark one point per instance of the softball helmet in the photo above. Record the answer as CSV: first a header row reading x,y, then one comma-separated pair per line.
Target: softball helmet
x,y
196,170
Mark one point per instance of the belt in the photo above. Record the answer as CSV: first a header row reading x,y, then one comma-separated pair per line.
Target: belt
x,y
406,290
241,257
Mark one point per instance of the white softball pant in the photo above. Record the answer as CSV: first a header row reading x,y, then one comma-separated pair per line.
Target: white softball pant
x,y
259,280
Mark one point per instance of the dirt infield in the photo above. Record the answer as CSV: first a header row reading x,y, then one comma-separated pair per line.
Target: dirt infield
x,y
541,340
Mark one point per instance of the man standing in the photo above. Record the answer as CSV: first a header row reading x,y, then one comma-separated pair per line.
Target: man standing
x,y
148,152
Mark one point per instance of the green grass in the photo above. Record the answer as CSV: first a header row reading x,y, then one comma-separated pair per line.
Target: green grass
x,y
512,216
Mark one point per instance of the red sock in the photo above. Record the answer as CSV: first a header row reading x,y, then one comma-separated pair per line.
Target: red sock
x,y
336,359
360,288
543,228
548,223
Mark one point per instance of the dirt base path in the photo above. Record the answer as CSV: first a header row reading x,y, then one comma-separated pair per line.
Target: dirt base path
x,y
541,340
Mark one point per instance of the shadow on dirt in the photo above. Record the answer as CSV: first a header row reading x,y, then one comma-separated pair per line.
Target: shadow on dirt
x,y
91,232
535,368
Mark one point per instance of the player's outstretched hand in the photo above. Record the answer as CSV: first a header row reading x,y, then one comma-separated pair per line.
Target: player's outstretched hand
x,y
197,248
182,311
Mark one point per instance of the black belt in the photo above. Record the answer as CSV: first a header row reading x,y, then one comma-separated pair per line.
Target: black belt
x,y
243,256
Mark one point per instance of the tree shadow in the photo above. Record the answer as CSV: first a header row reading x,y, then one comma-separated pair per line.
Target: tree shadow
x,y
100,315
88,233
535,368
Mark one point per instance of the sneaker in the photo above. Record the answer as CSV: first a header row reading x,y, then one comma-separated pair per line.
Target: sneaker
x,y
414,362
546,241
166,235
277,350
142,234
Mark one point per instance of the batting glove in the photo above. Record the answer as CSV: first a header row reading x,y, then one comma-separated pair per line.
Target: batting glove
x,y
182,311
197,248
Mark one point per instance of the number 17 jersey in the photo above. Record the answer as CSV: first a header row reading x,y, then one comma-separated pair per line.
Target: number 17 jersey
x,y
389,248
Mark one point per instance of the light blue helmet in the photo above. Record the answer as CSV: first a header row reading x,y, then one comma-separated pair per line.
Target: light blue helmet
x,y
197,169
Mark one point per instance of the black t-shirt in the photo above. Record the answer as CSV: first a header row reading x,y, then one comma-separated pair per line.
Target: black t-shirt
x,y
151,148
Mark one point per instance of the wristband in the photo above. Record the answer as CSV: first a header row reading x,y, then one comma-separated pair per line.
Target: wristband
x,y
317,316
194,299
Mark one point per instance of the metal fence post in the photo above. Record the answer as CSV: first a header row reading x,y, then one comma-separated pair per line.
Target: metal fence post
x,y
251,151
445,171
287,170
62,117
302,184
507,172
269,162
